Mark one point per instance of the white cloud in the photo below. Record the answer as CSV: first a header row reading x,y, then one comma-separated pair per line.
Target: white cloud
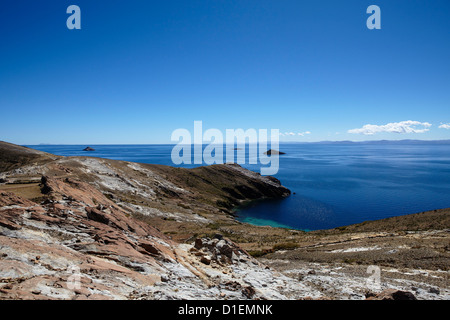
x,y
394,127
445,126
294,134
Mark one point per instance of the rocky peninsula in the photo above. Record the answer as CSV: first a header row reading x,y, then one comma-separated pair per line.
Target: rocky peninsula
x,y
126,230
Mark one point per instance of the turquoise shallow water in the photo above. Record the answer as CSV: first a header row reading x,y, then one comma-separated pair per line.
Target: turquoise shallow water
x,y
264,222
332,184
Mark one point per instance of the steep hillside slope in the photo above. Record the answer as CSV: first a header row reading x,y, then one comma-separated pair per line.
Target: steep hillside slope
x,y
14,156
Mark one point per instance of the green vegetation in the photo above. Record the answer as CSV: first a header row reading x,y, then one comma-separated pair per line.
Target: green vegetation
x,y
285,246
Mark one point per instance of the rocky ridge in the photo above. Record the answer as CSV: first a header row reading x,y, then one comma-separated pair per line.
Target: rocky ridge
x,y
78,244
76,234
90,228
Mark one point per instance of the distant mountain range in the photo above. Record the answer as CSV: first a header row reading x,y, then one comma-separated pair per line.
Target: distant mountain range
x,y
406,141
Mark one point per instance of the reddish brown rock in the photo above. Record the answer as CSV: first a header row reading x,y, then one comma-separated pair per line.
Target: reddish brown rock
x,y
111,245
392,294
149,247
9,218
10,199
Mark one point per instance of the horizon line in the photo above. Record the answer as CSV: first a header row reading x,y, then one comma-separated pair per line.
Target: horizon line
x,y
289,142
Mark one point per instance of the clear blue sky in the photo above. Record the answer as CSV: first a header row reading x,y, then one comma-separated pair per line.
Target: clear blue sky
x,y
137,70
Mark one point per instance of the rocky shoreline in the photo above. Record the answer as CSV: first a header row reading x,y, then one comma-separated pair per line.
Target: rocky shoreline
x,y
122,230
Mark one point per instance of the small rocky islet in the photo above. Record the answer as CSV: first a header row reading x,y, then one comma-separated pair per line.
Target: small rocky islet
x,y
273,152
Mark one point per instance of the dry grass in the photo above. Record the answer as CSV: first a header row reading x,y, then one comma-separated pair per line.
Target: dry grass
x,y
13,156
28,191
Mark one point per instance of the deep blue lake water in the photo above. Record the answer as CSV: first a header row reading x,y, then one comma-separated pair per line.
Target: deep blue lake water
x,y
334,184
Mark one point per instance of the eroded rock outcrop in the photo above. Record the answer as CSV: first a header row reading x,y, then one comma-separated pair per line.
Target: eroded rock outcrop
x,y
392,294
78,244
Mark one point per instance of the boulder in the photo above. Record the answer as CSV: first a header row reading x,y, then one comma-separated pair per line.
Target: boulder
x,y
97,215
198,243
206,260
149,247
224,249
392,294
249,292
222,252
